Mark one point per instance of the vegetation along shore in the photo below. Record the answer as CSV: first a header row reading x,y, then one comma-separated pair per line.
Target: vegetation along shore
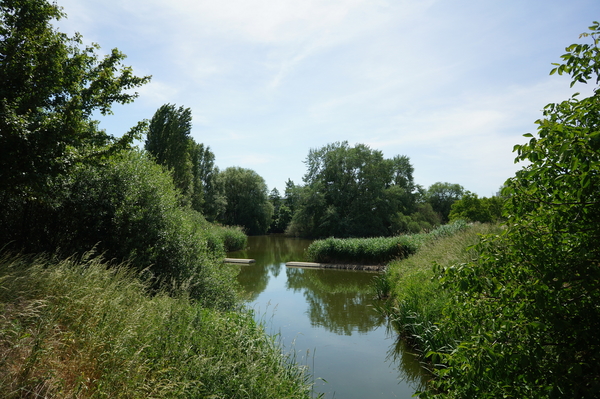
x,y
112,274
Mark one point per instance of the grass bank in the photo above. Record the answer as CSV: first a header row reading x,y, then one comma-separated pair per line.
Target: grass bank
x,y
376,250
76,328
413,298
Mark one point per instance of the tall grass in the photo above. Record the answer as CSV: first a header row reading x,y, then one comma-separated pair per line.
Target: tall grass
x,y
375,251
76,328
415,298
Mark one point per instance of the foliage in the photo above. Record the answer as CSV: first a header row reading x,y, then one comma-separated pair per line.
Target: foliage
x,y
441,196
377,250
533,294
472,208
423,219
282,214
353,191
233,237
79,329
207,197
131,212
51,86
247,200
191,163
371,251
168,140
413,299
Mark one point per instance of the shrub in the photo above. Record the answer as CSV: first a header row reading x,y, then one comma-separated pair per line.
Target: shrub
x,y
377,250
128,210
233,237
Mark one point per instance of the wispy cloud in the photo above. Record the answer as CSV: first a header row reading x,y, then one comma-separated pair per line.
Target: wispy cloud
x,y
453,85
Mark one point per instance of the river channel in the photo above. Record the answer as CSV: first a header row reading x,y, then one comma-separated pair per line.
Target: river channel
x,y
326,317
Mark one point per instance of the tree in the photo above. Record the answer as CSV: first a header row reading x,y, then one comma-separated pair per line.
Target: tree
x,y
534,292
441,196
353,191
247,200
51,86
169,142
474,209
205,197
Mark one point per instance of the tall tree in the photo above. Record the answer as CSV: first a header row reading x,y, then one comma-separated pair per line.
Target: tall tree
x,y
353,191
441,196
247,200
51,86
169,142
206,197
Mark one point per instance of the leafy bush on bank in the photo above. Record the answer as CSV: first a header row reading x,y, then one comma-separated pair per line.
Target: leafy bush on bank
x,y
522,316
378,250
413,299
77,328
128,210
233,237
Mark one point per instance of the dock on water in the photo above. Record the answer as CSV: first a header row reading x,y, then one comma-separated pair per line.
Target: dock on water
x,y
239,261
373,268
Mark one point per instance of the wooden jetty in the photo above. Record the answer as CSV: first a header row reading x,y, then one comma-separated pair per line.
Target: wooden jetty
x,y
239,261
371,268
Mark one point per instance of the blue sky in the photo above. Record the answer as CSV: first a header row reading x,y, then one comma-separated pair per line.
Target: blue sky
x,y
451,84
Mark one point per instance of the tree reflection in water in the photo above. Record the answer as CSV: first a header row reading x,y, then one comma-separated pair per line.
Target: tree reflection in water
x,y
329,310
338,300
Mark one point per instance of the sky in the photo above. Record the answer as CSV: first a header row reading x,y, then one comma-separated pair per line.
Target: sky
x,y
453,85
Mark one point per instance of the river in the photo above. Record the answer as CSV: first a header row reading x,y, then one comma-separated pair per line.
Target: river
x,y
326,317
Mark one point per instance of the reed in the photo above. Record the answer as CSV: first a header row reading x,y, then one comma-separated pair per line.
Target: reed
x,y
233,237
77,328
416,300
372,251
376,250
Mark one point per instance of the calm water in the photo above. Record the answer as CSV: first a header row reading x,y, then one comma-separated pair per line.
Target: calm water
x,y
326,317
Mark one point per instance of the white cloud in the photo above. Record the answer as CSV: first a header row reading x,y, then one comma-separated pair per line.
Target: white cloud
x,y
453,85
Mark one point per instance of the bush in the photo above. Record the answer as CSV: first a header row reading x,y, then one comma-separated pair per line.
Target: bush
x,y
377,250
128,210
232,237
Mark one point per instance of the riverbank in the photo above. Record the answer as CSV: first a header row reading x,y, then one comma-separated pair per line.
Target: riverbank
x,y
78,329
415,301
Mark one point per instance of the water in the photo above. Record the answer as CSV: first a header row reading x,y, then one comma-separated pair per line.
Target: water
x,y
326,317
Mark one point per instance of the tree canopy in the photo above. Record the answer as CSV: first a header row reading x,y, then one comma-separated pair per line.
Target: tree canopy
x,y
247,200
441,196
192,164
51,86
353,191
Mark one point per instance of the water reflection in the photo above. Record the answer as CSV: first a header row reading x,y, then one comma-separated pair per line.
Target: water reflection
x,y
271,253
338,300
329,313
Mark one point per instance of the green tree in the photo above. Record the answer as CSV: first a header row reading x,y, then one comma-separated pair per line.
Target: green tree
x,y
169,142
474,209
353,191
534,292
206,197
247,200
277,202
441,196
51,86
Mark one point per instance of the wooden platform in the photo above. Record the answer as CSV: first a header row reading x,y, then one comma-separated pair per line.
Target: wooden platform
x,y
372,268
239,261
